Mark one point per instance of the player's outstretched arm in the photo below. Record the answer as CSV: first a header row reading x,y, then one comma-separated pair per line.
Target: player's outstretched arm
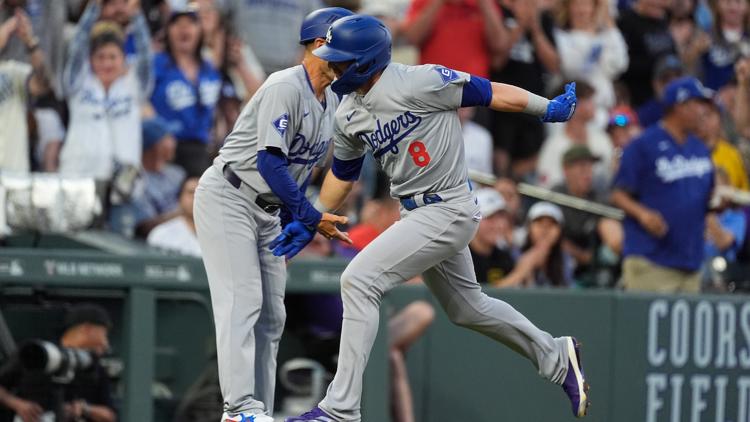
x,y
333,193
332,196
511,98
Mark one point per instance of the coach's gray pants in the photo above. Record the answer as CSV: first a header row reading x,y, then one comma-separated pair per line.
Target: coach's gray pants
x,y
247,290
431,240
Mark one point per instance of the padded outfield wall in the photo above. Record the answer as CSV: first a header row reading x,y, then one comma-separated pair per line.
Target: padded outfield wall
x,y
648,358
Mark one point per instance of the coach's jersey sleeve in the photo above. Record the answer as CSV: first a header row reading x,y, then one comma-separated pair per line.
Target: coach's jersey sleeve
x,y
278,118
437,88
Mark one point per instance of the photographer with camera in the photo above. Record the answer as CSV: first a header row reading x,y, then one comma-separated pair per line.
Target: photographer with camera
x,y
71,368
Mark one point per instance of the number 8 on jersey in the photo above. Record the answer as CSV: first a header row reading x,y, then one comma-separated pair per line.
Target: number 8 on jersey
x,y
419,154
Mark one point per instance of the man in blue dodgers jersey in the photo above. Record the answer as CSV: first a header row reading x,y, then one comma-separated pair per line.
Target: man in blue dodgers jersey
x,y
264,165
406,117
664,185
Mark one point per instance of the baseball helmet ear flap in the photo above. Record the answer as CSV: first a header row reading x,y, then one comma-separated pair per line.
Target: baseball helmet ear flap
x,y
359,38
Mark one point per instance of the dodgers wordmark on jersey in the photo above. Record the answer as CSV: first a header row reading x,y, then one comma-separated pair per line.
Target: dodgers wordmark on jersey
x,y
284,114
410,125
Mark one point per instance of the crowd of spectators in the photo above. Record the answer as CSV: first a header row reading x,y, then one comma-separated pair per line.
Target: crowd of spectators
x,y
139,95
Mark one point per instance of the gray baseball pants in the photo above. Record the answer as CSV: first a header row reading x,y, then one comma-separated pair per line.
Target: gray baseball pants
x,y
247,290
431,240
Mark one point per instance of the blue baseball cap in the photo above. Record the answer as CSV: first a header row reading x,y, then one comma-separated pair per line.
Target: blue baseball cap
x,y
685,89
154,130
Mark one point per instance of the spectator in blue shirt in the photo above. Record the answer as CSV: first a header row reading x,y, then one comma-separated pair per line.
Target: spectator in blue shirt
x,y
186,90
715,52
162,180
664,185
156,200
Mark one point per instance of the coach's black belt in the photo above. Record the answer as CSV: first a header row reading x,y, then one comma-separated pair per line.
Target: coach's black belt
x,y
235,181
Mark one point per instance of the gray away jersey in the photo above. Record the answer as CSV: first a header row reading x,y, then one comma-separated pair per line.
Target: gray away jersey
x,y
285,114
408,121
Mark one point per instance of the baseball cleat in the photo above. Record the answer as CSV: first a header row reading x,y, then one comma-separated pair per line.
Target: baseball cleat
x,y
315,415
259,417
575,384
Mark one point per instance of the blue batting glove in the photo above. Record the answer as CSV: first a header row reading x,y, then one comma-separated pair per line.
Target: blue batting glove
x,y
561,108
292,239
279,240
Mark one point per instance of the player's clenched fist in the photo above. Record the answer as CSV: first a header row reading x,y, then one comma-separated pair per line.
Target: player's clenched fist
x,y
562,107
327,227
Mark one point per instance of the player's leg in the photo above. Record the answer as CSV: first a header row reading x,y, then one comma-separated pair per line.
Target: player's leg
x,y
227,235
453,282
270,325
417,242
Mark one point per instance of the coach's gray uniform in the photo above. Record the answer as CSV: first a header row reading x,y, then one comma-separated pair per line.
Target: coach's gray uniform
x,y
409,123
246,281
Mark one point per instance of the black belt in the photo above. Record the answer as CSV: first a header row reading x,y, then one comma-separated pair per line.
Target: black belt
x,y
235,181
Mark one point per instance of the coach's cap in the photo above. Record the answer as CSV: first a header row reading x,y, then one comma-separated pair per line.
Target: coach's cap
x,y
578,153
668,66
87,313
545,209
490,201
685,89
317,22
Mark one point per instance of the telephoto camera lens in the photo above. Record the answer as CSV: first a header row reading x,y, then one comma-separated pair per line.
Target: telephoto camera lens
x,y
40,355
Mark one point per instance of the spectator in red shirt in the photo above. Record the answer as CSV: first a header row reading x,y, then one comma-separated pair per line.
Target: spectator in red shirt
x,y
377,215
459,34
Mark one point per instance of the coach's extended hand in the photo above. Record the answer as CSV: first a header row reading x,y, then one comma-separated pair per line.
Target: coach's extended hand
x,y
562,107
296,235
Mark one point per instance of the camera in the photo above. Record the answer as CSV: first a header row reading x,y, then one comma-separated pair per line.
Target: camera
x,y
60,363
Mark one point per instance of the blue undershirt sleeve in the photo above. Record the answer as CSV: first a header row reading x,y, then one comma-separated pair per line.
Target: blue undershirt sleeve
x,y
477,92
272,166
347,170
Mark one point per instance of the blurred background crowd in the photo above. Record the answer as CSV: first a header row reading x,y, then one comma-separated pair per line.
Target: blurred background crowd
x,y
139,95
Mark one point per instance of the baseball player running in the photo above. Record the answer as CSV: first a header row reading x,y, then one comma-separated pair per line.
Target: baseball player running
x,y
261,171
405,116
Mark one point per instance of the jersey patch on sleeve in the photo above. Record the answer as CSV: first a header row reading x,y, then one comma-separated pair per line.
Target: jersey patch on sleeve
x,y
446,74
281,123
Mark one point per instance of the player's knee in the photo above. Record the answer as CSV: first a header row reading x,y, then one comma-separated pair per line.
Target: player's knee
x,y
276,324
272,319
467,316
352,284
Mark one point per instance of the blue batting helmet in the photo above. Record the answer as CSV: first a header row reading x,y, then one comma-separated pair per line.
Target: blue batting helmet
x,y
317,22
361,39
